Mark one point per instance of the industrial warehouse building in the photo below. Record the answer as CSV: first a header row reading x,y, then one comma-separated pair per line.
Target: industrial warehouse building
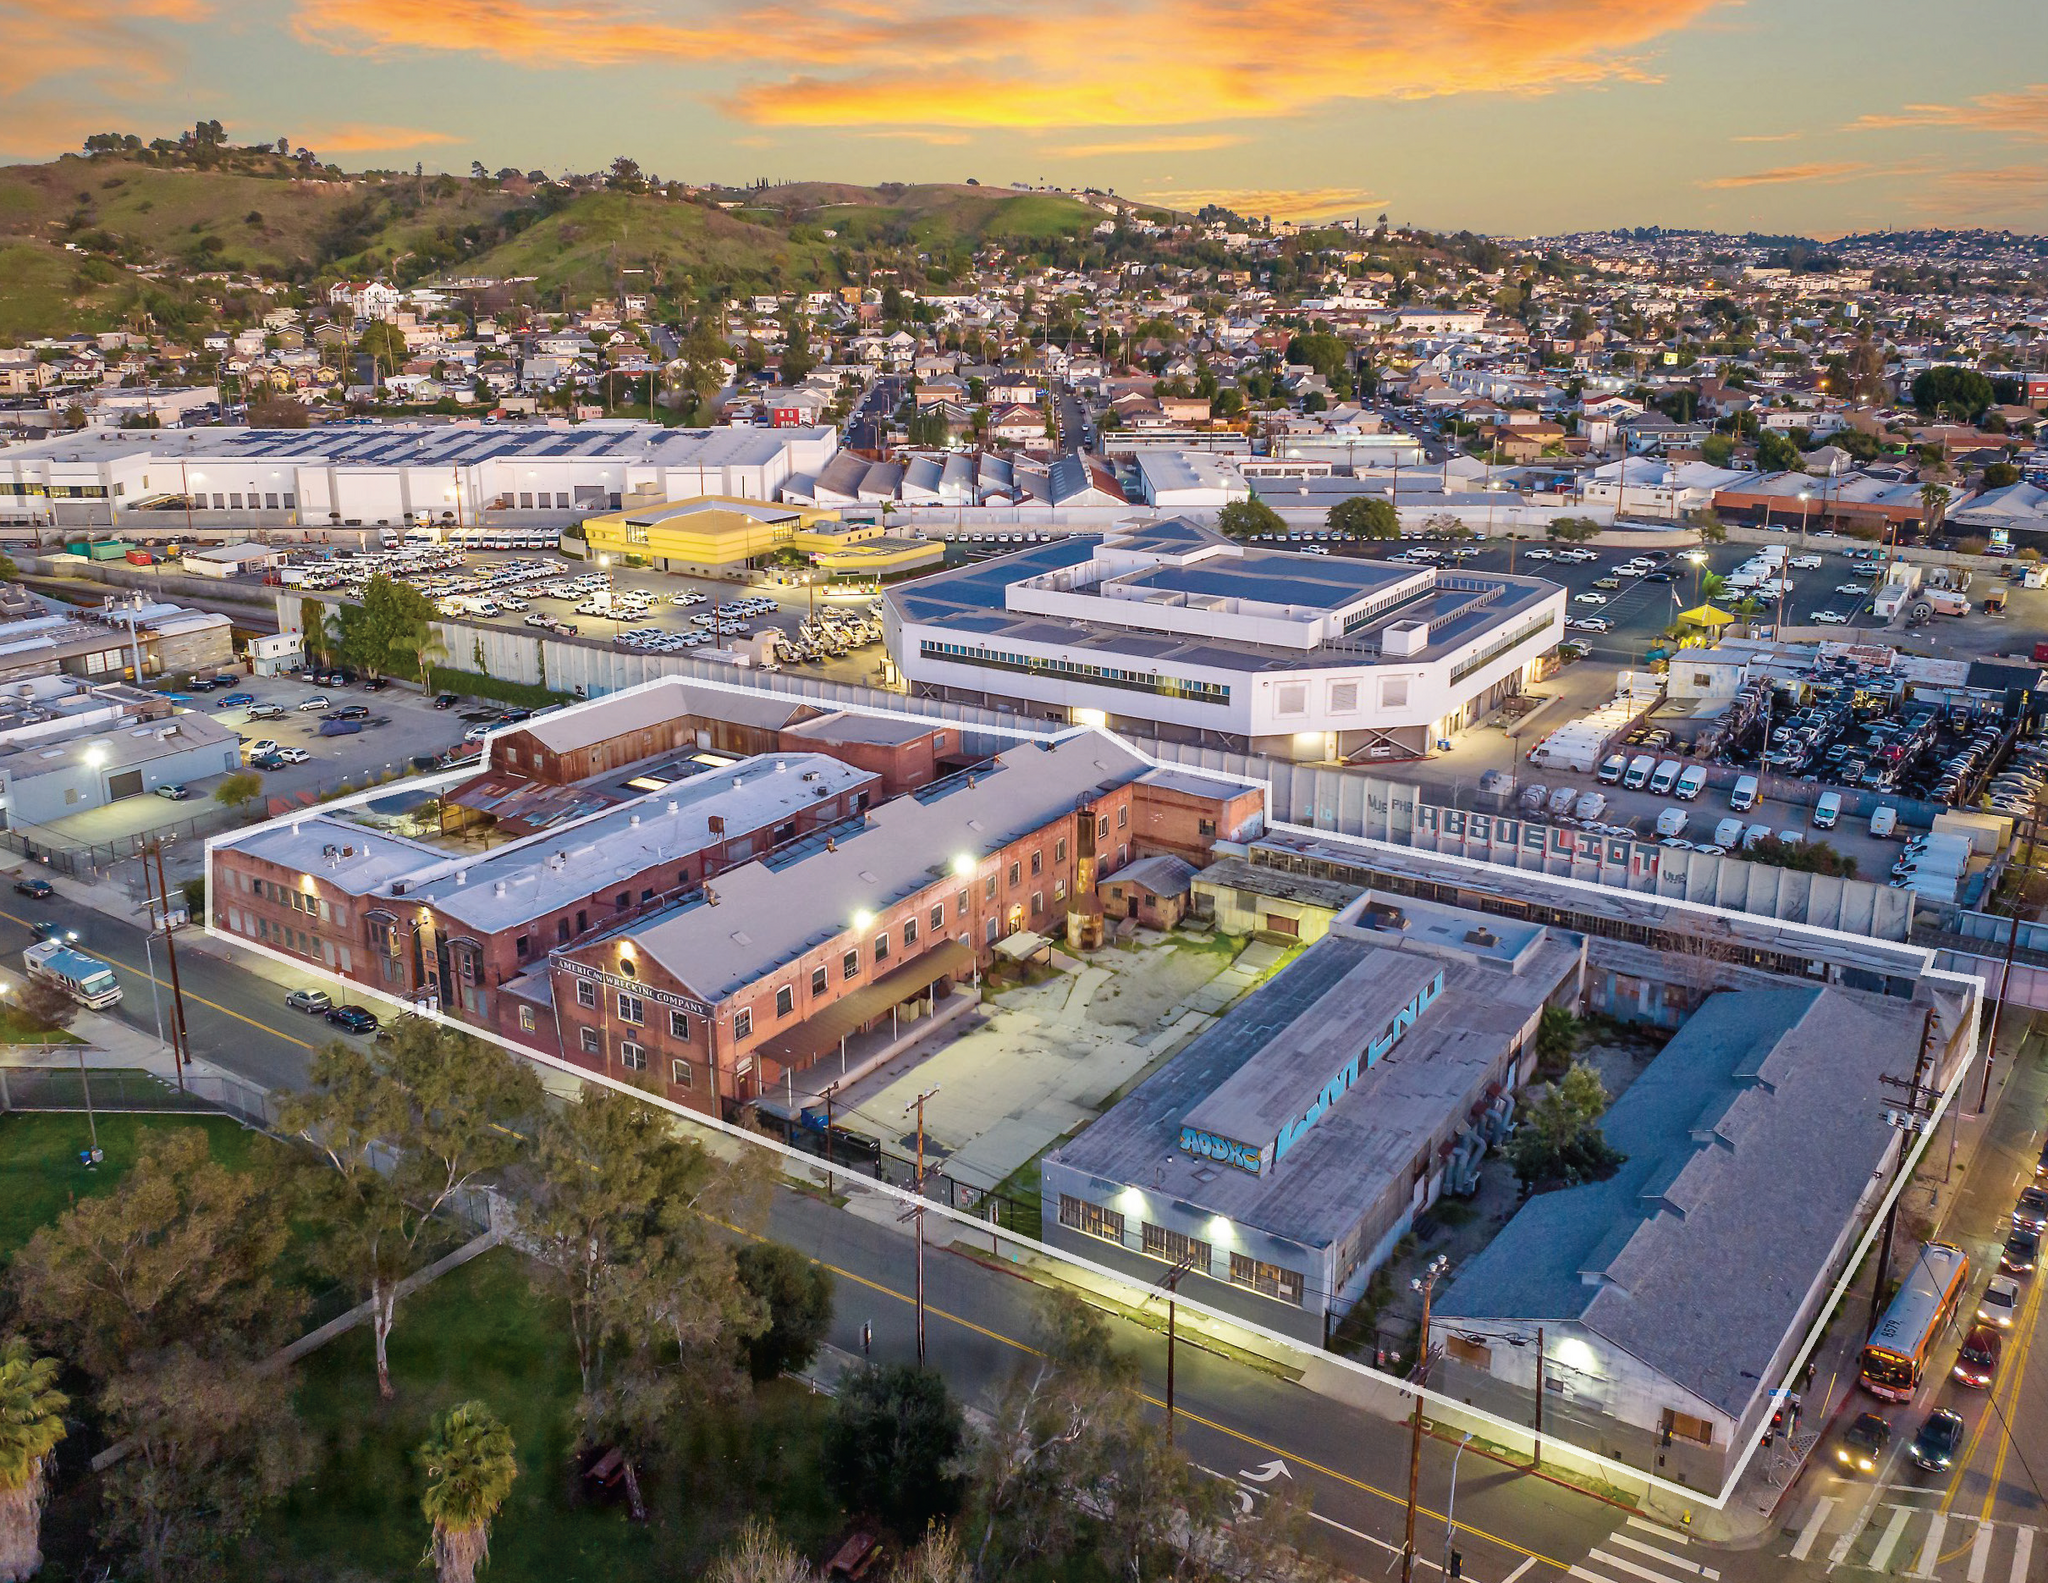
x,y
718,535
1169,628
1628,1281
1289,1148
392,473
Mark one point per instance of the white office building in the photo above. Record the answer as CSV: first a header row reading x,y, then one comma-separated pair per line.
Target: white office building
x,y
1170,629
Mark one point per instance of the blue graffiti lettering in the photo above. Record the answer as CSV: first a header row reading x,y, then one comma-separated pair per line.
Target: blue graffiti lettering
x,y
1228,1151
1340,1085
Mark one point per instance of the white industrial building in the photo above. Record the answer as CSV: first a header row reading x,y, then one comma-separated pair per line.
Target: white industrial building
x,y
1170,629
391,473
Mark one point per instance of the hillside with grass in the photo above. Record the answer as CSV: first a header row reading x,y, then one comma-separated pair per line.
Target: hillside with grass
x,y
131,234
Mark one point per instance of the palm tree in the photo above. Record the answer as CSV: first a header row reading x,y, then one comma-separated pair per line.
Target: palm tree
x,y
31,1424
1935,498
431,648
470,1468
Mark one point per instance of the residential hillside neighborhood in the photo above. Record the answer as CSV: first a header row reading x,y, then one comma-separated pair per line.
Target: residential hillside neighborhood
x,y
1885,383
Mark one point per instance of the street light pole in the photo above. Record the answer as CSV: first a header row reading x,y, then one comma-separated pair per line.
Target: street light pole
x,y
182,1044
917,1214
1425,1283
1170,1284
1451,1509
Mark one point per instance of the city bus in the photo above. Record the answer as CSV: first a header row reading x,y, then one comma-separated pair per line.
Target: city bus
x,y
1897,1350
86,979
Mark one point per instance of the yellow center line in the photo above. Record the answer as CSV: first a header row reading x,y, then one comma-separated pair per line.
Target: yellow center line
x,y
225,1011
2008,1386
1294,1457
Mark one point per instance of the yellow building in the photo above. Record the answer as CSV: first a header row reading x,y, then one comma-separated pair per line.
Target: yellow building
x,y
864,550
718,534
708,536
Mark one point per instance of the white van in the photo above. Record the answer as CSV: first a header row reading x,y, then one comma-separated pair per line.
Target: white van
x,y
1754,834
1727,833
1884,819
1665,778
1612,768
1639,769
1691,783
1671,822
1827,810
1743,797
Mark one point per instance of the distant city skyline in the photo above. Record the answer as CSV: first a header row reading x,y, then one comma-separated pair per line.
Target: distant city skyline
x,y
1509,116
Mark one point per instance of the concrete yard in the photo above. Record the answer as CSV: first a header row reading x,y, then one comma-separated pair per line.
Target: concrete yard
x,y
1048,1058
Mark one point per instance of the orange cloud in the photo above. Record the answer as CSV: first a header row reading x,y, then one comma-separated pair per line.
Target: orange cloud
x,y
2021,114
1786,175
1767,137
109,37
1306,203
1190,143
356,137
1042,63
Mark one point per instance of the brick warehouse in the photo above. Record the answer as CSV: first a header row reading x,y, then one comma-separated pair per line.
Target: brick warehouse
x,y
730,930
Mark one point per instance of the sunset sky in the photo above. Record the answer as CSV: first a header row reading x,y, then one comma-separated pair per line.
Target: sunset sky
x,y
1510,116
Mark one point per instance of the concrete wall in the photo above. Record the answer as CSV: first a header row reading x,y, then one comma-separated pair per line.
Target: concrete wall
x,y
1350,803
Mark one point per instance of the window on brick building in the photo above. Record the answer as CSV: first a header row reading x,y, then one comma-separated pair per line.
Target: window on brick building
x,y
679,1025
881,948
820,978
632,1009
1037,864
590,1041
633,1057
785,1000
586,992
742,1022
849,965
679,1073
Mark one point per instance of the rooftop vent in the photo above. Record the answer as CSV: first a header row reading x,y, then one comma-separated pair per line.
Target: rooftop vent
x,y
498,889
1481,937
780,767
634,822
462,876
674,807
1380,915
812,775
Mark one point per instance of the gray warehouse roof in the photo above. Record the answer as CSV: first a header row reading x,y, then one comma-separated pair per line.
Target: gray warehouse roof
x,y
1697,1255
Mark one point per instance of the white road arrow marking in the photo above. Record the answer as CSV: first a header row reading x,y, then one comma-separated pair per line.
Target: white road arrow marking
x,y
1267,1474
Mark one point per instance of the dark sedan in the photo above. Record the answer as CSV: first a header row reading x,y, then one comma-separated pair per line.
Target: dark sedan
x,y
39,889
352,1019
2022,1249
45,929
1934,1447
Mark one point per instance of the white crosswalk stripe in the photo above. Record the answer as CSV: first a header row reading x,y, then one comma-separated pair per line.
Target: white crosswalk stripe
x,y
1902,1539
1643,1552
1815,1522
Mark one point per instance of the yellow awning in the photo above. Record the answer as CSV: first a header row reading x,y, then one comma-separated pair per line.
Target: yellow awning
x,y
1706,616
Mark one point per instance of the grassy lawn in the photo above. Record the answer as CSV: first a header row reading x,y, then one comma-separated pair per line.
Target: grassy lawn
x,y
17,1029
40,1176
480,1332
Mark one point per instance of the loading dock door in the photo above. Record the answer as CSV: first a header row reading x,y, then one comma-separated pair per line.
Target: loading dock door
x,y
126,784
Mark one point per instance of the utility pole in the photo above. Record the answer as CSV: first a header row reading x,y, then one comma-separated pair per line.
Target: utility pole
x,y
917,1213
1170,1284
1425,1283
831,1093
181,1041
1910,1117
1536,1457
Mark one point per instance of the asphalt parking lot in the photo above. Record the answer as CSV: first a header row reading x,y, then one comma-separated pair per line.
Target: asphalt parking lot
x,y
794,604
415,728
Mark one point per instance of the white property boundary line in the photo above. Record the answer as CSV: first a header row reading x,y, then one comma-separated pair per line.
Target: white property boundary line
x,y
1620,1473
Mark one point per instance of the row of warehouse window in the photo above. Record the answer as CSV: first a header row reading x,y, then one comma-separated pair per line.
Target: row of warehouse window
x,y
285,896
1160,1242
1104,675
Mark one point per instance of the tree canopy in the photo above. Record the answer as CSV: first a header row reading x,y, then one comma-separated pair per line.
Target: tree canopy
x,y
1243,518
1365,518
1947,388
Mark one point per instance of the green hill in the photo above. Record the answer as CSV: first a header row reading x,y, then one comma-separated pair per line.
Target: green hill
x,y
90,241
